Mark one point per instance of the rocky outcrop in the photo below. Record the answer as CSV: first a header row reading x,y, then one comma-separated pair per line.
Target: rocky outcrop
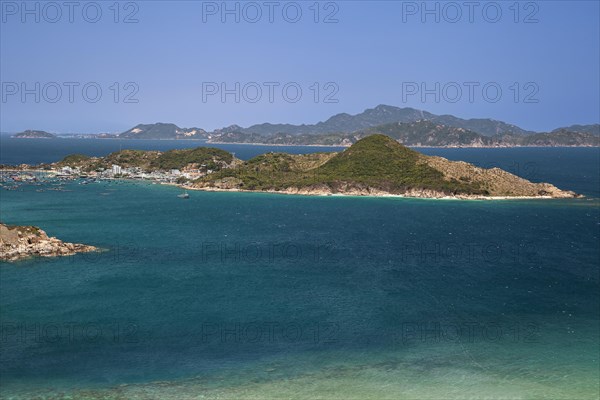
x,y
495,181
19,242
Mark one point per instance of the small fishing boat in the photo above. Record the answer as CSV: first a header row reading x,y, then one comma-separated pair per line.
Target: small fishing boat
x,y
184,195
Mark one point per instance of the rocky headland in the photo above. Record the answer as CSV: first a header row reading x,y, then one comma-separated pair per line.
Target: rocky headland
x,y
20,242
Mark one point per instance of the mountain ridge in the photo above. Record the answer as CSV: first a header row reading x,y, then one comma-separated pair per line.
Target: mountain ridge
x,y
339,124
424,133
379,115
343,129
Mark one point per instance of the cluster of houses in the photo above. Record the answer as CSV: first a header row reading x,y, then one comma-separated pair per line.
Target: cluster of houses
x,y
117,171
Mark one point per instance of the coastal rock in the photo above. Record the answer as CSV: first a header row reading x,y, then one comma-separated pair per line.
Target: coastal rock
x,y
19,242
497,182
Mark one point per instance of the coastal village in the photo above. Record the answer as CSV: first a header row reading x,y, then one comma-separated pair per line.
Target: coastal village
x,y
27,175
116,171
12,177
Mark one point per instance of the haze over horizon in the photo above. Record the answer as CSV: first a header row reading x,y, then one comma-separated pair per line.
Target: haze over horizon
x,y
164,57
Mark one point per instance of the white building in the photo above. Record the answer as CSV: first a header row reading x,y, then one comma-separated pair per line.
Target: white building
x,y
116,169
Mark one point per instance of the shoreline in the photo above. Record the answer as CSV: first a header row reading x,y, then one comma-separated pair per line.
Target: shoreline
x,y
368,192
410,146
373,195
330,145
283,145
407,145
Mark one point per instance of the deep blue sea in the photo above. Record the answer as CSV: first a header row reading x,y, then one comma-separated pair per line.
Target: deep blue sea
x,y
265,296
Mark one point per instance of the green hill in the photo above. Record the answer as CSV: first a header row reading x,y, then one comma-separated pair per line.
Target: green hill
x,y
381,162
211,158
74,160
374,165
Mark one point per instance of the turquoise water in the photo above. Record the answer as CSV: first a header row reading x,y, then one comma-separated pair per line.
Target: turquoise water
x,y
260,296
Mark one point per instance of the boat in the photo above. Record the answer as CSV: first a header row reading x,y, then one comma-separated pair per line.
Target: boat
x,y
184,195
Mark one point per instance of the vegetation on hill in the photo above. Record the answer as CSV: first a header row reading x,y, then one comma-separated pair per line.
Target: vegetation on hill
x,y
376,162
272,171
74,160
381,162
208,157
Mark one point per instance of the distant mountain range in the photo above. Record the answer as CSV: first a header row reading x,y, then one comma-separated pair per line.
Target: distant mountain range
x,y
424,134
382,114
409,126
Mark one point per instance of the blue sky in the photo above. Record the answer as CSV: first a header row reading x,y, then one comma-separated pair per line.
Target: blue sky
x,y
544,58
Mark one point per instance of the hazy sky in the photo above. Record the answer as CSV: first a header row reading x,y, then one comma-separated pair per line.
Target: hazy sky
x,y
534,64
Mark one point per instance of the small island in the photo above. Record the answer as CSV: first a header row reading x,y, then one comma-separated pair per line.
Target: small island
x,y
20,242
31,134
375,166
